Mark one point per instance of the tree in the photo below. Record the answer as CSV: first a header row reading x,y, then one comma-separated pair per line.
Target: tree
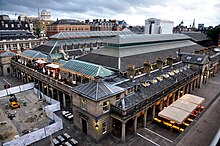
x,y
37,32
213,34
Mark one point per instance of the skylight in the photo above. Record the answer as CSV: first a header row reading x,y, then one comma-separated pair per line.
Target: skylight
x,y
199,59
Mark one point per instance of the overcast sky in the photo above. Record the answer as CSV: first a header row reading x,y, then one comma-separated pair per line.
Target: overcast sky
x,y
134,12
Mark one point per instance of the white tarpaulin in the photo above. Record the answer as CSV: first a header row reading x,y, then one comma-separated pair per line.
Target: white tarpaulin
x,y
193,99
174,114
3,93
52,65
184,105
13,90
40,61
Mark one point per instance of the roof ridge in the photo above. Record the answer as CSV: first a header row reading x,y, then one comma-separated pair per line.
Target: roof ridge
x,y
97,90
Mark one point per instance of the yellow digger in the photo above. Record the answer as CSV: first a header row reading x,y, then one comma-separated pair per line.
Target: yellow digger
x,y
13,102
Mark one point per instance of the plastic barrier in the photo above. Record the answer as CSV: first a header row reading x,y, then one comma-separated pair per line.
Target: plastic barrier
x,y
43,132
16,89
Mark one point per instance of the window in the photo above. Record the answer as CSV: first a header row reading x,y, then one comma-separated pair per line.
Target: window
x,y
6,25
26,45
14,46
106,106
83,103
117,96
1,47
104,128
8,70
12,25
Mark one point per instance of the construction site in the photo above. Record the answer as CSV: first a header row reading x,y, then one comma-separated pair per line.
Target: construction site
x,y
19,120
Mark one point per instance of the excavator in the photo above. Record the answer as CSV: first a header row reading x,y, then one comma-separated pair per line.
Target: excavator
x,y
14,102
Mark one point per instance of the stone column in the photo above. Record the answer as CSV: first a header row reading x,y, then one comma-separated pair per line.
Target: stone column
x,y
179,94
168,100
58,96
153,113
161,105
174,96
5,47
135,124
18,46
123,132
30,45
145,118
52,95
47,90
43,87
64,100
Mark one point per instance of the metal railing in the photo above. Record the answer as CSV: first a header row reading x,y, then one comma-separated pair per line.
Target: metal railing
x,y
45,78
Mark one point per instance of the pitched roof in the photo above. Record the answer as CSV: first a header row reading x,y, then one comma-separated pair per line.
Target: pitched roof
x,y
33,54
68,35
196,36
7,54
168,77
97,90
120,63
87,69
194,58
138,38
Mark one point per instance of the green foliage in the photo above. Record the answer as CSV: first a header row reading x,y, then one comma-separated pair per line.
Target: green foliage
x,y
213,34
37,32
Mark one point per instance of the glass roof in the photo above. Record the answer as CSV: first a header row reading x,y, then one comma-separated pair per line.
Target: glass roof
x,y
66,35
86,68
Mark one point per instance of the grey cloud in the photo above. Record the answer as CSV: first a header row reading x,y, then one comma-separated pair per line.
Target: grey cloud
x,y
109,7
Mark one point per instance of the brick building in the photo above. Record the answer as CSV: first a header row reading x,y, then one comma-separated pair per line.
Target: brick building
x,y
66,25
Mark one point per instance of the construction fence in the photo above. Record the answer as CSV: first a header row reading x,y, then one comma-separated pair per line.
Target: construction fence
x,y
42,133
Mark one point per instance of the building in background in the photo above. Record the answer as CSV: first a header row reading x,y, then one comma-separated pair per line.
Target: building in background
x,y
38,24
157,26
16,40
106,25
7,24
66,25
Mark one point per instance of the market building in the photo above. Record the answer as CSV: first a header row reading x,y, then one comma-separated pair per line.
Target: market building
x,y
76,44
119,97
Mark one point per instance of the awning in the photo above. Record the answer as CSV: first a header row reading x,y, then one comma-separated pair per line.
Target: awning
x,y
40,61
193,99
174,114
52,65
184,105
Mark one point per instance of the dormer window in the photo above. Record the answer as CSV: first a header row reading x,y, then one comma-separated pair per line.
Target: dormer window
x,y
166,75
199,59
188,57
145,84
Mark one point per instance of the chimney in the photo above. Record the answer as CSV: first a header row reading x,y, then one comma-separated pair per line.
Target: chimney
x,y
170,61
147,67
196,51
131,71
201,51
159,64
206,50
98,79
179,55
